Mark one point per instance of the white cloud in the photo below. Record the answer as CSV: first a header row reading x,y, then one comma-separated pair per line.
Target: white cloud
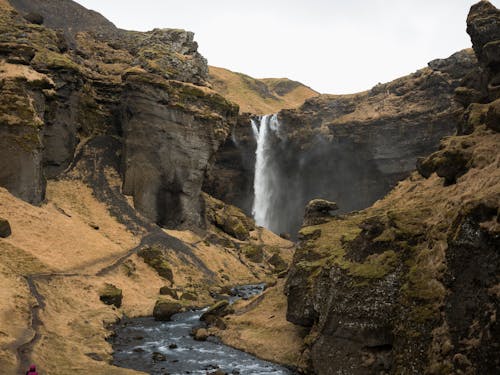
x,y
333,46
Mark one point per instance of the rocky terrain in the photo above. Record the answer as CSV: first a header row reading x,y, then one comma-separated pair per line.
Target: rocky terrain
x,y
410,284
124,159
348,148
258,96
105,139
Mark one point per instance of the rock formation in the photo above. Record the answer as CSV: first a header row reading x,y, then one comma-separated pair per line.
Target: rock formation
x,y
350,149
122,86
410,284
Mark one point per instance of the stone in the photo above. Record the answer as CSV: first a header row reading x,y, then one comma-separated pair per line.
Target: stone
x,y
201,334
254,253
111,295
189,296
278,263
35,18
493,116
167,291
164,310
158,357
5,230
317,210
218,309
154,256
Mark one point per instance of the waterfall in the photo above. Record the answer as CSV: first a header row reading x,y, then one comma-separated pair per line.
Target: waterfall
x,y
266,182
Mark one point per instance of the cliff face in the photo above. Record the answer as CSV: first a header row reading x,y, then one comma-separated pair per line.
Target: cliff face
x,y
410,284
348,148
60,90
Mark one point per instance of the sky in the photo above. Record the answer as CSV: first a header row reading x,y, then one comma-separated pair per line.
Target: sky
x,y
333,46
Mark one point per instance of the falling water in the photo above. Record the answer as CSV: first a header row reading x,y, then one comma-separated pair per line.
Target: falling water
x,y
266,182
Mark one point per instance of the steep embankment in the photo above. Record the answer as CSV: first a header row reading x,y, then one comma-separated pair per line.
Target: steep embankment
x,y
411,284
347,148
259,96
87,115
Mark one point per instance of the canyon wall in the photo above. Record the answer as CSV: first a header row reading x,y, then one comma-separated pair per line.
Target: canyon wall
x,y
410,285
347,148
80,78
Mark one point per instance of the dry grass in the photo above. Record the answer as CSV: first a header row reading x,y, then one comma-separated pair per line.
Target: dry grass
x,y
243,91
259,327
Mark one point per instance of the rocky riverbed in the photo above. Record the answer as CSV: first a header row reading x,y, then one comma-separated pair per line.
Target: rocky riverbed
x,y
168,348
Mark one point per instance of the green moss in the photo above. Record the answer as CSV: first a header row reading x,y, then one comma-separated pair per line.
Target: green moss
x,y
154,257
54,60
254,253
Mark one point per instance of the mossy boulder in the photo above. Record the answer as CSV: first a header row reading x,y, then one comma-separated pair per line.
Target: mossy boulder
x,y
493,116
254,253
278,263
189,296
5,230
167,291
154,256
111,295
450,163
318,210
218,309
164,310
229,219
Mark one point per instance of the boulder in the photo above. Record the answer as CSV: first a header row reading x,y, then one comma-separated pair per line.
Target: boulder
x,y
111,295
318,210
35,18
278,263
5,230
201,334
167,291
493,116
254,253
218,309
154,257
164,310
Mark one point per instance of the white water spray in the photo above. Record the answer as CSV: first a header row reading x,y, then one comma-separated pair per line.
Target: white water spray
x,y
265,181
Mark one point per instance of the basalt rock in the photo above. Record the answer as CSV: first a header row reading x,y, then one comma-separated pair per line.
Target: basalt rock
x,y
164,310
410,285
5,230
111,295
317,210
349,149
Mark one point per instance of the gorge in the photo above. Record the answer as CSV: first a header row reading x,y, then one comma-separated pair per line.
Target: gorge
x,y
139,186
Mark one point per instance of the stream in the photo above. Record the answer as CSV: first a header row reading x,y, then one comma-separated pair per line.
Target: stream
x,y
161,348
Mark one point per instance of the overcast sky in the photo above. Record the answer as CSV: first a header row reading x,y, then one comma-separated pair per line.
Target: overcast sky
x,y
333,46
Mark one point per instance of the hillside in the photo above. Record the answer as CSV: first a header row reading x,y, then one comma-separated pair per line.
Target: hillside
x,y
258,96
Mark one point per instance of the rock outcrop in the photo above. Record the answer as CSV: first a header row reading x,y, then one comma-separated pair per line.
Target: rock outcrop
x,y
410,284
147,90
350,149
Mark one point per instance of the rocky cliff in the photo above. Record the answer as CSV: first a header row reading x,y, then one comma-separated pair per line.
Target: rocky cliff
x,y
410,284
62,89
348,148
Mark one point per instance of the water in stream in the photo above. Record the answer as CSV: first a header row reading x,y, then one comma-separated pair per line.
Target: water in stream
x,y
137,340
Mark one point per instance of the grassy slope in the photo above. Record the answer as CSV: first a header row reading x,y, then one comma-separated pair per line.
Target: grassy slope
x,y
59,239
259,96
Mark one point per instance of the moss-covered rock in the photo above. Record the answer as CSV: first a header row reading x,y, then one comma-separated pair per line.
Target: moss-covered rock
x,y
167,291
154,256
254,253
164,310
111,295
189,296
278,263
229,219
218,309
